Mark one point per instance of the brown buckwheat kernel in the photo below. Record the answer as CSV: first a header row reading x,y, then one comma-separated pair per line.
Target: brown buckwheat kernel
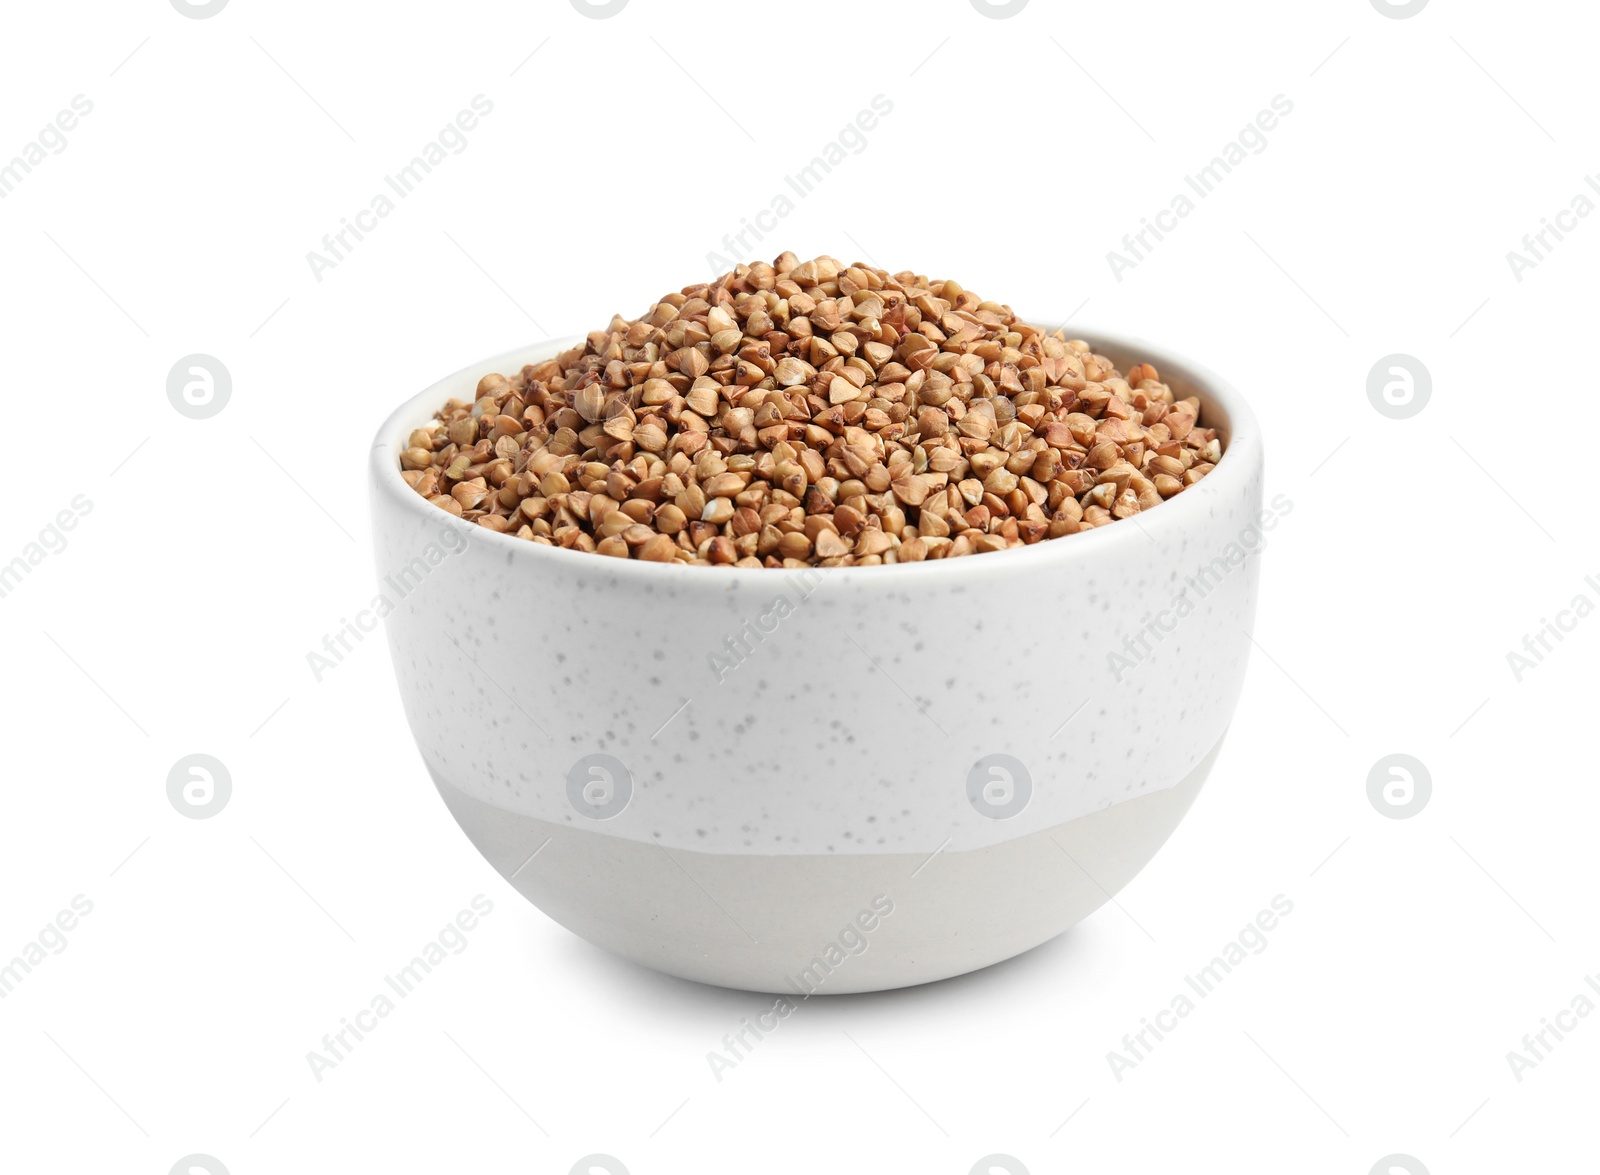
x,y
812,414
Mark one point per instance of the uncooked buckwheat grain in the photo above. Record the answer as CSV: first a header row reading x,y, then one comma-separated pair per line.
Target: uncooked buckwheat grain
x,y
808,414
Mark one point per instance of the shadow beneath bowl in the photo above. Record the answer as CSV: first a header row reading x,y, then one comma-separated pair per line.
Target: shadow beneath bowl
x,y
1051,966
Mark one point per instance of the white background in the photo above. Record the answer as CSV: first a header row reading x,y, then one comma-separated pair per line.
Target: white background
x,y
219,552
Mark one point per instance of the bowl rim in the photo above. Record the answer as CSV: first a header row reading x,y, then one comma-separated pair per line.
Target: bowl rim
x,y
1242,459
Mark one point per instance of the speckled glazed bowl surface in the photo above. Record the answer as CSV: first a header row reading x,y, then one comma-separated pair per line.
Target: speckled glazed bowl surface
x,y
836,780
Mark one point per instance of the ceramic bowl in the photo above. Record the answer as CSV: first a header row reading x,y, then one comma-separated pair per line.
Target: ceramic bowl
x,y
836,780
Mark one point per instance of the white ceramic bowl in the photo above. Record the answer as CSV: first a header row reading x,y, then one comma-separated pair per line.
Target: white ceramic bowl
x,y
841,780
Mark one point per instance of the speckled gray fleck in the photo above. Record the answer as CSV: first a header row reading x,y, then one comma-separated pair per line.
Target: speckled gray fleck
x,y
866,697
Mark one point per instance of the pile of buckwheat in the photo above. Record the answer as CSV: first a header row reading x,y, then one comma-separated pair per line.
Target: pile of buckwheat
x,y
807,414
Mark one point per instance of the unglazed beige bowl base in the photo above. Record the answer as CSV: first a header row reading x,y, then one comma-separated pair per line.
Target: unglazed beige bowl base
x,y
767,922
